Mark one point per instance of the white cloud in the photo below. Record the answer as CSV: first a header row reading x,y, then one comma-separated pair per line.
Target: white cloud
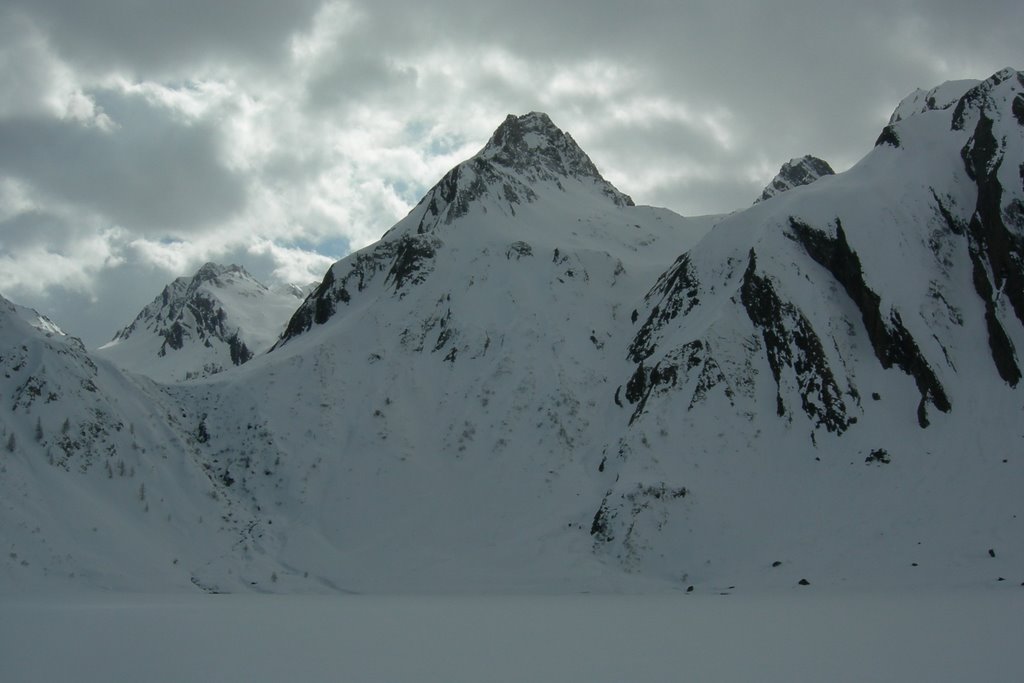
x,y
35,270
292,265
141,144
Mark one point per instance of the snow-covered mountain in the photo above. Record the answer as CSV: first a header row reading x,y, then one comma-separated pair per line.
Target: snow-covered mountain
x,y
102,484
532,384
794,173
201,325
844,358
437,400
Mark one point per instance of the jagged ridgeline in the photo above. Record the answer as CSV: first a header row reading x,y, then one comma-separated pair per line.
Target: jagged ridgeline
x,y
531,383
198,326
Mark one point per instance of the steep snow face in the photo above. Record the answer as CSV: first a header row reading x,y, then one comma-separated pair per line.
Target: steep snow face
x,y
200,325
100,486
850,338
794,173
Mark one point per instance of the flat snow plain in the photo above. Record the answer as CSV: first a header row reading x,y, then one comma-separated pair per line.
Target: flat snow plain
x,y
965,635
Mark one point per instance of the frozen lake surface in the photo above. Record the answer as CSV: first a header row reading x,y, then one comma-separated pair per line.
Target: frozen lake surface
x,y
799,636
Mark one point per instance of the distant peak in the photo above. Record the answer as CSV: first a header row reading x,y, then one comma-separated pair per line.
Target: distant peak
x,y
211,271
794,173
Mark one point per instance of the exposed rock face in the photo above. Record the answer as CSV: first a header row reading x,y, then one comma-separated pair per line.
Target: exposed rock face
x,y
792,345
404,261
996,228
794,173
889,338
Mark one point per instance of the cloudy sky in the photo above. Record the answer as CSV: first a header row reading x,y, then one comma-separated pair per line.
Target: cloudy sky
x,y
139,139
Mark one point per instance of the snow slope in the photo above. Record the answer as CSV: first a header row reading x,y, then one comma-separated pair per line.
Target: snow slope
x,y
101,484
532,385
839,363
200,325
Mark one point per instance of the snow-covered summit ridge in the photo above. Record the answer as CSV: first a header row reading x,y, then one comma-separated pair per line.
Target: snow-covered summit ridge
x,y
794,173
958,93
940,97
202,324
959,104
32,317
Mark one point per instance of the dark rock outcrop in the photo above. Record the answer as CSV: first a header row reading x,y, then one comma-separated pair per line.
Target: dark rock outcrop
x,y
791,342
892,343
795,173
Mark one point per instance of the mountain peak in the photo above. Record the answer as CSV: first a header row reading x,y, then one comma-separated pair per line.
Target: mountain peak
x,y
794,173
518,134
534,145
210,271
526,157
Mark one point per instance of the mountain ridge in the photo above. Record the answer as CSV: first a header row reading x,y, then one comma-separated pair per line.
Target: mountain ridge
x,y
572,393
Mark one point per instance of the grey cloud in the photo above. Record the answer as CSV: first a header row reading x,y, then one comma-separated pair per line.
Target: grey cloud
x,y
34,228
660,141
818,71
700,196
168,36
783,78
26,69
150,172
951,26
96,315
354,79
